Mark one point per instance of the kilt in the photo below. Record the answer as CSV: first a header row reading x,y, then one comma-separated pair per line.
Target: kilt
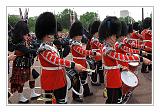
x,y
19,77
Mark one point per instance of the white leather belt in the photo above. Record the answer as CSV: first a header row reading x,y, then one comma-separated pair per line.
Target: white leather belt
x,y
111,67
79,57
52,68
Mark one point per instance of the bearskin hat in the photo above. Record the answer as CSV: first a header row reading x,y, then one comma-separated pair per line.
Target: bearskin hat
x,y
111,25
136,26
124,30
59,27
130,28
147,23
45,25
94,27
19,31
76,29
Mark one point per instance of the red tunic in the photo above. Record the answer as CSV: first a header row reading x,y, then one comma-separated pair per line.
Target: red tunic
x,y
147,35
53,71
95,44
110,61
79,54
121,48
132,44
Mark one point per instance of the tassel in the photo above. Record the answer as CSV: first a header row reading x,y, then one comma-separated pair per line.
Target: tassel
x,y
54,100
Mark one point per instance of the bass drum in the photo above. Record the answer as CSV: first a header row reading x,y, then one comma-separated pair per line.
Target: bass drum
x,y
130,81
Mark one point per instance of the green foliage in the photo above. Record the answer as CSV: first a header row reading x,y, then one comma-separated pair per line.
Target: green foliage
x,y
64,18
127,19
88,18
13,19
31,23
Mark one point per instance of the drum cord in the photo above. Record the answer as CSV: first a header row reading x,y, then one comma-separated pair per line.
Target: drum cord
x,y
81,88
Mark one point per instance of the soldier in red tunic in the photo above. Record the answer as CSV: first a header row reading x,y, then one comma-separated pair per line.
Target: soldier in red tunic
x,y
109,30
122,48
96,45
79,56
147,36
53,75
129,41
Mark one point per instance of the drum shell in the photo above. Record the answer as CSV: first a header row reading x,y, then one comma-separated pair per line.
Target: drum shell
x,y
133,68
125,88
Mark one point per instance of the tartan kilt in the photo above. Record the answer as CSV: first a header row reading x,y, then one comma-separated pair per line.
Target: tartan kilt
x,y
20,75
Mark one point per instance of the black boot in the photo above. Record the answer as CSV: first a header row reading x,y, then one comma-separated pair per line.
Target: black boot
x,y
86,91
144,69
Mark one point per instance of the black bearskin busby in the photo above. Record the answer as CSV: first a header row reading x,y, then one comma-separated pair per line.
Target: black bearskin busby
x,y
124,30
45,25
76,29
59,27
147,23
130,28
19,31
136,26
94,27
111,25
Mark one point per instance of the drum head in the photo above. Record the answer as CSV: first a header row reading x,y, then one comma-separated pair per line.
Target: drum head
x,y
129,78
134,64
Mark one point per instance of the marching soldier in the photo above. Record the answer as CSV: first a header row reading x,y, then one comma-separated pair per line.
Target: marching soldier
x,y
53,79
129,42
96,45
147,36
79,56
109,30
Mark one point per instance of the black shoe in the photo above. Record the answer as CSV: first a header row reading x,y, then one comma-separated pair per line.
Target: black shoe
x,y
23,102
36,97
90,94
78,99
96,84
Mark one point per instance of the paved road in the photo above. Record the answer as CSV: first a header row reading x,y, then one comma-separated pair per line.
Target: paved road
x,y
141,95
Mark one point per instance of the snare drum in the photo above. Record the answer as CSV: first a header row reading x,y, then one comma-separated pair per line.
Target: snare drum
x,y
130,81
133,66
70,77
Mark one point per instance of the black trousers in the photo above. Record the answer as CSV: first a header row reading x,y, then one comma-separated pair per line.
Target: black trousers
x,y
113,95
144,67
76,84
60,95
99,71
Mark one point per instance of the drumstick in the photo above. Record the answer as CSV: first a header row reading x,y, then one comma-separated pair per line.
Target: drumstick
x,y
146,41
89,70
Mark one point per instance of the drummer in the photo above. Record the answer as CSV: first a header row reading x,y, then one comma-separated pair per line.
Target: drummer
x,y
122,48
128,41
96,45
109,30
147,36
79,56
53,79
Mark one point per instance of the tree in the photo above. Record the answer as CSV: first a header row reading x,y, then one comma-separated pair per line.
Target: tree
x,y
64,18
88,18
31,23
127,19
13,19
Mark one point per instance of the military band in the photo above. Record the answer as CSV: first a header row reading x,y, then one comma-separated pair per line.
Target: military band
x,y
113,47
